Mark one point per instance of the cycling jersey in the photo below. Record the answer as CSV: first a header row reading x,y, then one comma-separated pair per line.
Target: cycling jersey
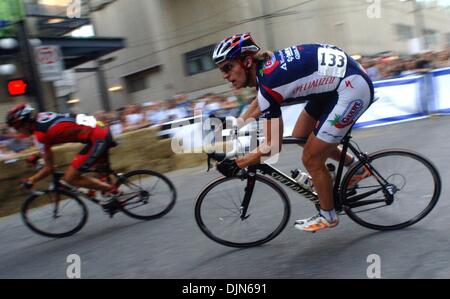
x,y
52,128
336,86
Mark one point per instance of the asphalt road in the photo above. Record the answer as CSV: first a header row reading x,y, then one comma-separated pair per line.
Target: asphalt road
x,y
174,247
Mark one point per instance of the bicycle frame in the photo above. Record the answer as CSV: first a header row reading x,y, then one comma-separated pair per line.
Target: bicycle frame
x,y
57,184
267,169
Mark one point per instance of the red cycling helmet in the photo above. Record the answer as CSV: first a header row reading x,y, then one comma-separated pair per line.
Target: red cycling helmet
x,y
234,46
20,114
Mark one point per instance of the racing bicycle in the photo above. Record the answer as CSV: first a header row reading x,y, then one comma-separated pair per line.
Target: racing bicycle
x,y
58,211
251,208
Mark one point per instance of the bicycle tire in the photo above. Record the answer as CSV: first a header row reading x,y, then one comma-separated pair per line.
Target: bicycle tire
x,y
27,209
397,183
201,215
144,195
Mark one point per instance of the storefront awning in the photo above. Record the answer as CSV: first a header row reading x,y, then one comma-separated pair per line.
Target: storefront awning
x,y
77,51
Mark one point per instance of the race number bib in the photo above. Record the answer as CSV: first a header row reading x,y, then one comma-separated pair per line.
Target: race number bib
x,y
85,120
331,62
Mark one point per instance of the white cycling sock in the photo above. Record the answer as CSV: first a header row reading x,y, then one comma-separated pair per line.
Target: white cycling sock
x,y
330,215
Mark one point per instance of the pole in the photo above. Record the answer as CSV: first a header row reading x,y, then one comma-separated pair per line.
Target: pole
x,y
419,24
100,73
27,57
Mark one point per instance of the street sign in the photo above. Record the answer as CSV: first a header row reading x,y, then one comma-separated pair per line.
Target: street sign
x,y
50,63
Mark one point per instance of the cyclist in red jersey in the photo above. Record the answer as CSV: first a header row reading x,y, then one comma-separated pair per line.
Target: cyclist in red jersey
x,y
50,129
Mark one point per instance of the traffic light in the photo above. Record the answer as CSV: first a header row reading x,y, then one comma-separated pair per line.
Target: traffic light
x,y
8,43
17,87
8,69
8,46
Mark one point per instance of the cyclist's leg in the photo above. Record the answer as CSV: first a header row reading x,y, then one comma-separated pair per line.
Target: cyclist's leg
x,y
354,97
76,178
85,159
315,154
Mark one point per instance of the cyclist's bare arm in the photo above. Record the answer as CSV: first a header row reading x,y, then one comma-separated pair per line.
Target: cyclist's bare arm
x,y
273,131
47,155
252,112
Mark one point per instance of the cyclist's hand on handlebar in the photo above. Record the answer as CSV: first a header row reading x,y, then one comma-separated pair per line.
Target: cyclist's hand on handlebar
x,y
26,184
228,168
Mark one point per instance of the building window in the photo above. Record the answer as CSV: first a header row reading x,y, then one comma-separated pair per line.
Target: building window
x,y
404,32
199,60
431,37
140,80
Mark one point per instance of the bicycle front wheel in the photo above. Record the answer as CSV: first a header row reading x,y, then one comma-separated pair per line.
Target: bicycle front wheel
x,y
147,194
402,189
218,212
54,214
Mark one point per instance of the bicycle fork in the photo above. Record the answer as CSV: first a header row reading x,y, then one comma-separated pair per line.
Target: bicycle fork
x,y
251,179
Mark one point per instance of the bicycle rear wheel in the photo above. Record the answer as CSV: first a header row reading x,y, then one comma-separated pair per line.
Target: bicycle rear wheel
x,y
218,212
54,214
147,194
403,188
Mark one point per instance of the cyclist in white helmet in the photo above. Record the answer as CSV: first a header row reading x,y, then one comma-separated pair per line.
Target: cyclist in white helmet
x,y
338,91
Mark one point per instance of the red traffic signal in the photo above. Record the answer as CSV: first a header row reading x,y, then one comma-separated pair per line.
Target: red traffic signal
x,y
17,87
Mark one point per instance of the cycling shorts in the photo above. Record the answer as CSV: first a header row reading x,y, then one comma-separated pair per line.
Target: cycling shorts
x,y
96,150
337,111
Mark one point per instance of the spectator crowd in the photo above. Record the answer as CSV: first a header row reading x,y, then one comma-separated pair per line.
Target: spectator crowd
x,y
388,65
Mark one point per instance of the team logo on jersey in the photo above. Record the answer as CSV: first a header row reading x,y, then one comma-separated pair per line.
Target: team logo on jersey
x,y
270,65
349,116
282,60
45,117
348,83
288,55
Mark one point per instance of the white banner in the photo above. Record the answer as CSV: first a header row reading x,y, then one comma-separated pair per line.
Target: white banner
x,y
441,78
398,99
